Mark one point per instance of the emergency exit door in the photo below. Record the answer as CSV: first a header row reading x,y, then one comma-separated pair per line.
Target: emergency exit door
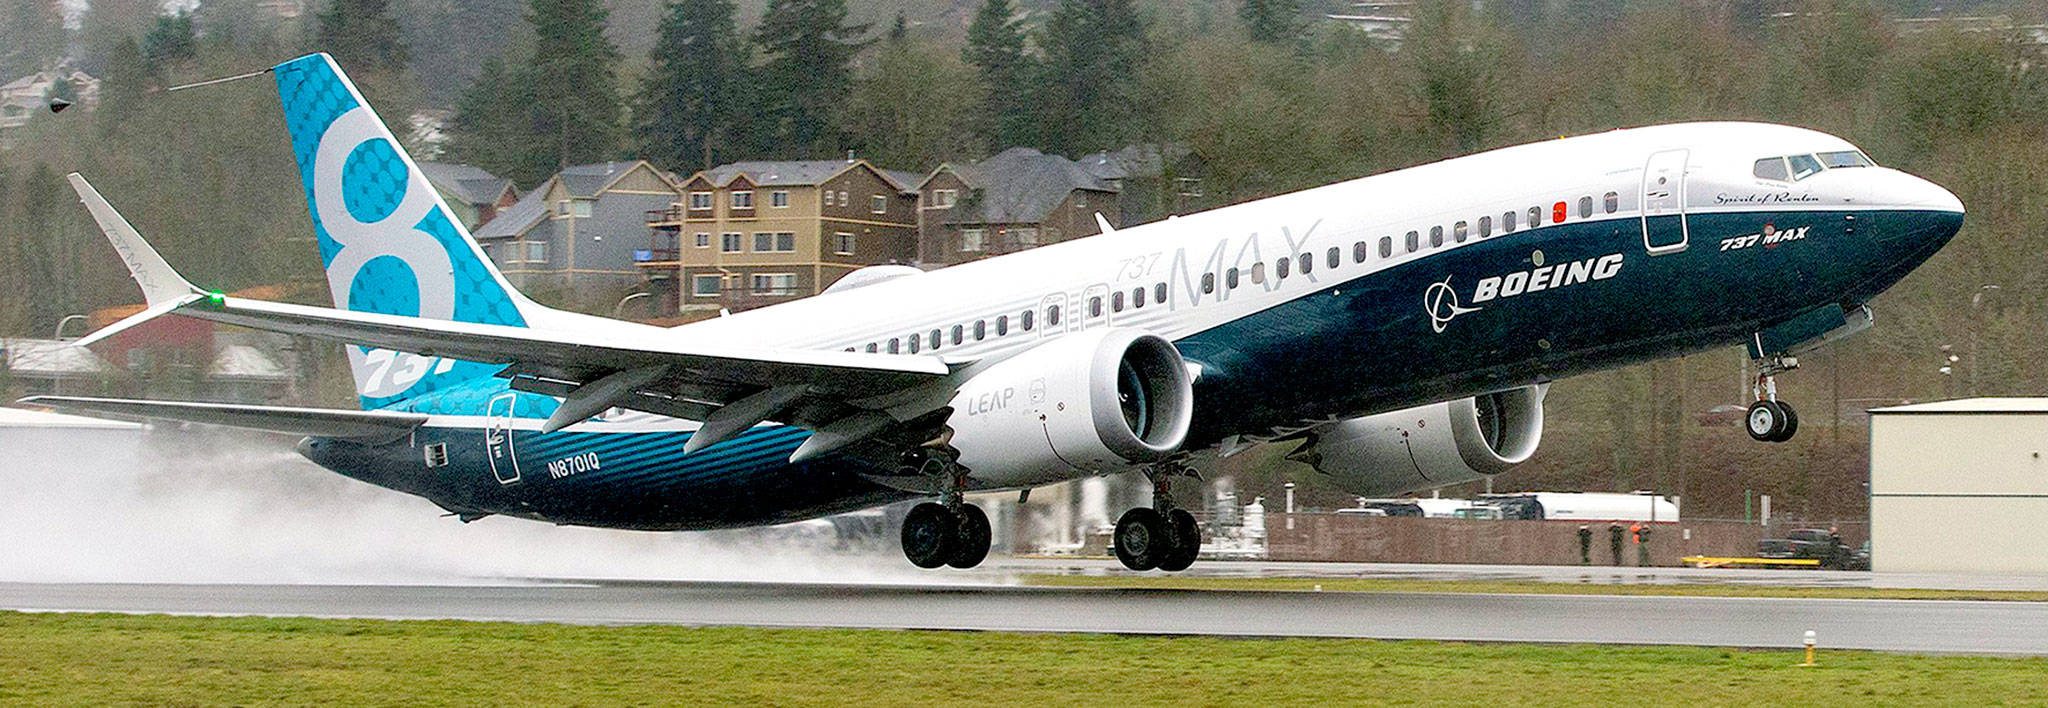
x,y
1664,226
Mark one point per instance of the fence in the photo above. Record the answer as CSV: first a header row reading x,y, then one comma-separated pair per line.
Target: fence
x,y
1393,539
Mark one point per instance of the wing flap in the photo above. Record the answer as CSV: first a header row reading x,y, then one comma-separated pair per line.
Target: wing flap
x,y
362,426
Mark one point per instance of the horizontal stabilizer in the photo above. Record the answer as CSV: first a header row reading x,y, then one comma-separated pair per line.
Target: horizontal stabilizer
x,y
361,426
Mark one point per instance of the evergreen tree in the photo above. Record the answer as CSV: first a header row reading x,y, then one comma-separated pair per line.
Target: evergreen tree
x,y
691,108
127,79
362,36
575,95
1271,21
107,22
808,73
493,127
31,37
995,48
171,42
1088,95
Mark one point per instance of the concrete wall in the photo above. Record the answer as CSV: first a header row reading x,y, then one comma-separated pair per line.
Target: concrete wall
x,y
1341,537
1959,492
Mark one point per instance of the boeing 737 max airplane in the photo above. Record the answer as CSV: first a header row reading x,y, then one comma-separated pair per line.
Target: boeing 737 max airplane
x,y
1398,331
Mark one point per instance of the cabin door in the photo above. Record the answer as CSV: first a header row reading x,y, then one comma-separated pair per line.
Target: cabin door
x,y
498,439
1664,227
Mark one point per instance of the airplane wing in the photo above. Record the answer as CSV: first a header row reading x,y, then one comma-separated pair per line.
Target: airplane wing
x,y
363,426
729,388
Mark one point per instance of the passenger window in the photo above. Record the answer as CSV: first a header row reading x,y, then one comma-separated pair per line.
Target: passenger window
x,y
980,330
1052,316
853,349
1535,217
1436,236
1485,226
893,345
959,334
1137,298
1358,252
1230,279
1803,166
1585,207
1507,222
1458,232
1116,301
1159,293
1258,272
1002,325
1282,267
915,341
1771,168
1025,320
1208,283
1612,202
935,339
873,348
1386,247
1412,242
1333,257
1095,306
1557,213
1305,264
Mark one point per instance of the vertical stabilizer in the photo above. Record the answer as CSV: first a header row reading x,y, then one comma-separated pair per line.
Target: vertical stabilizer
x,y
388,242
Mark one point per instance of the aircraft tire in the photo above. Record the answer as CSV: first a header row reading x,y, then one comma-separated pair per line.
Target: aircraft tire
x,y
1187,541
971,538
1142,538
1791,421
930,533
1765,421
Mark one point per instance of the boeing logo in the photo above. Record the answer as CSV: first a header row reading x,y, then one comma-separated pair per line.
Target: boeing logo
x,y
1441,302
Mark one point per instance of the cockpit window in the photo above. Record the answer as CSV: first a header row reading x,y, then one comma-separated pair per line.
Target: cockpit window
x,y
1772,168
1803,166
1845,158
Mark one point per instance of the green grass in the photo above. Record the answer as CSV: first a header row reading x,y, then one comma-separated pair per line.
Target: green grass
x,y
118,659
1529,587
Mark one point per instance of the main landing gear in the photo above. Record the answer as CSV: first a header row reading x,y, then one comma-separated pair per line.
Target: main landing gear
x,y
951,532
1769,419
1162,536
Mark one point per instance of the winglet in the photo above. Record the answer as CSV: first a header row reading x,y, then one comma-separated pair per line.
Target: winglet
x,y
1104,223
160,284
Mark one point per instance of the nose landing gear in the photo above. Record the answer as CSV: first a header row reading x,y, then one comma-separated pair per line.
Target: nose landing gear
x,y
1769,419
1161,536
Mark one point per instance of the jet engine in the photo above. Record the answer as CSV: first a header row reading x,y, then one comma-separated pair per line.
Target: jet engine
x,y
1428,446
1092,401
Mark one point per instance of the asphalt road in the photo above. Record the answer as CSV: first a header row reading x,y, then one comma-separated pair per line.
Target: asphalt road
x,y
1894,625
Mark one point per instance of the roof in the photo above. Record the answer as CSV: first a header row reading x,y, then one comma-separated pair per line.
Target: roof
x,y
466,182
242,362
24,418
1972,405
1133,161
49,358
1021,185
517,219
801,173
588,180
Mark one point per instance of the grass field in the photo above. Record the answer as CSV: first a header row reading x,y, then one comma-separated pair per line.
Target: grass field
x,y
118,659
1169,582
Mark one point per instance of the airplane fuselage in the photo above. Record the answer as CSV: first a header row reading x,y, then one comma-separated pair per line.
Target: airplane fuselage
x,y
1458,278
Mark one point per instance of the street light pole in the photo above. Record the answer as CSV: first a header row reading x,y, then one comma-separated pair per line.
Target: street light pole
x,y
1976,299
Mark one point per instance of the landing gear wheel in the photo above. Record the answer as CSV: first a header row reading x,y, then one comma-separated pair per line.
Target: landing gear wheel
x,y
1142,538
1765,421
971,537
1791,421
930,535
1187,541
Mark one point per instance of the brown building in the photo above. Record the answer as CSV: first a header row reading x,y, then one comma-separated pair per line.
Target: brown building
x,y
1018,199
750,234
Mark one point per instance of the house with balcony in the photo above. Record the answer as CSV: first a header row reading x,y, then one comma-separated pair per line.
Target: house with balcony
x,y
572,239
750,234
1018,199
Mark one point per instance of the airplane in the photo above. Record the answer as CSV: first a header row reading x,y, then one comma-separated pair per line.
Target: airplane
x,y
1399,332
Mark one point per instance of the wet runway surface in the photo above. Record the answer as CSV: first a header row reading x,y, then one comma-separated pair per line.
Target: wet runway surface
x,y
1896,625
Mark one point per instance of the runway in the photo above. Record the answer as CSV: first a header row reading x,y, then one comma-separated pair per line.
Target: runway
x,y
1891,625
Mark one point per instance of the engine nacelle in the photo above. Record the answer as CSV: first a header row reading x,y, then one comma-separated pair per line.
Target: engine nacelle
x,y
1091,401
1429,446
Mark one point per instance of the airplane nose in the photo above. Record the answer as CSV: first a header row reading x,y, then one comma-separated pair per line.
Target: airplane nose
x,y
1888,188
1937,198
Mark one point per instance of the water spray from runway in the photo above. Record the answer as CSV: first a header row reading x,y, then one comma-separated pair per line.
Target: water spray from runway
x,y
207,506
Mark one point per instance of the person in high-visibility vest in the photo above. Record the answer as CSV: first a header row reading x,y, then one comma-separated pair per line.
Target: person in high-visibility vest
x,y
1642,543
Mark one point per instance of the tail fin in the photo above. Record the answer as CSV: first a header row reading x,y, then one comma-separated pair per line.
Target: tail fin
x,y
389,243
